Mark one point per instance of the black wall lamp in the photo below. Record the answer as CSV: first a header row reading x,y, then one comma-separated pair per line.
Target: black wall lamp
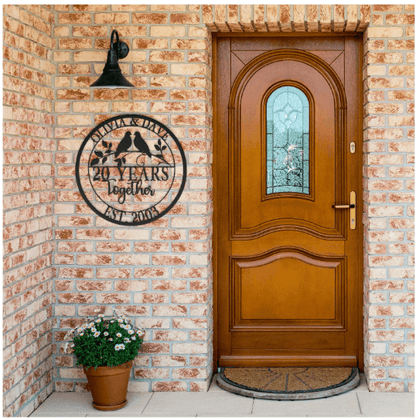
x,y
111,77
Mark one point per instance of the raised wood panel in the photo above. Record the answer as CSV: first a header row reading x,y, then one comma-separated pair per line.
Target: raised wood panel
x,y
287,289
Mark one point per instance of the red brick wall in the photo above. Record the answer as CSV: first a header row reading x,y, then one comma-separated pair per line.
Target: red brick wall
x,y
158,273
27,198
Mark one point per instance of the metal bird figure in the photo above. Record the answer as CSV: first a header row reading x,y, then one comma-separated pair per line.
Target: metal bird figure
x,y
141,145
124,144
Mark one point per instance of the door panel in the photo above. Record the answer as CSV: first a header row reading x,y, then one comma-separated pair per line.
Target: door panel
x,y
264,297
288,265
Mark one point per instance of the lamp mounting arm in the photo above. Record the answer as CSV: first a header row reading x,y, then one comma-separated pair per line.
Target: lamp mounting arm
x,y
121,48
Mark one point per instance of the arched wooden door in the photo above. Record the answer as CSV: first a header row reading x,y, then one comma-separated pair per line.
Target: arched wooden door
x,y
288,148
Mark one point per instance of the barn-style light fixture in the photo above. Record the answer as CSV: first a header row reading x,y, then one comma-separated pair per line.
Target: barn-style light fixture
x,y
111,77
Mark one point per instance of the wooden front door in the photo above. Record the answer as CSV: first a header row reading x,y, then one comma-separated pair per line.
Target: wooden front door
x,y
288,148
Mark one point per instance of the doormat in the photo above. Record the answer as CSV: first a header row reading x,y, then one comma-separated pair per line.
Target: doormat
x,y
288,383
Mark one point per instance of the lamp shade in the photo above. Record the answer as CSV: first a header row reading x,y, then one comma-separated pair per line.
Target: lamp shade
x,y
112,76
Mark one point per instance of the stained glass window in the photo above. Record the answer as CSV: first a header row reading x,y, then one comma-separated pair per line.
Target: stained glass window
x,y
287,141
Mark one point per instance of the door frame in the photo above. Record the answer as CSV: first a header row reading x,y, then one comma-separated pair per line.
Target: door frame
x,y
216,139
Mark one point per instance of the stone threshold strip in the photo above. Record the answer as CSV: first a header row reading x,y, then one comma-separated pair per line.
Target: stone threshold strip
x,y
286,18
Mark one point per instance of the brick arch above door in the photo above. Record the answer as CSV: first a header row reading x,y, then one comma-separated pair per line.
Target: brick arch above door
x,y
286,18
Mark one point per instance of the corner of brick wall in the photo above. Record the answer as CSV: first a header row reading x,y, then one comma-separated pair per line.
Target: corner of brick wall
x,y
160,273
27,198
388,79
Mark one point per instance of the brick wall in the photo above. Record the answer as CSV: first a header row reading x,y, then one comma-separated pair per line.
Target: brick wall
x,y
27,199
389,198
158,273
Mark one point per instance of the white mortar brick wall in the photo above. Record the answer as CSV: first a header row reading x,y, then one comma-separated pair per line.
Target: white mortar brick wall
x,y
27,207
161,273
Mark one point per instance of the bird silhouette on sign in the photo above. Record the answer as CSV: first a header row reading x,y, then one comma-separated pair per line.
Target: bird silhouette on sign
x,y
141,145
124,144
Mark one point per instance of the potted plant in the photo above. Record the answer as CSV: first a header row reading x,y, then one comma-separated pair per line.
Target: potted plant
x,y
105,347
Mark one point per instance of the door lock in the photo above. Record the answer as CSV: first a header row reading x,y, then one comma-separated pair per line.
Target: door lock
x,y
352,207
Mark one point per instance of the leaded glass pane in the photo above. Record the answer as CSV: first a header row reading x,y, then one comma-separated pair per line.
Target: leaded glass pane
x,y
287,115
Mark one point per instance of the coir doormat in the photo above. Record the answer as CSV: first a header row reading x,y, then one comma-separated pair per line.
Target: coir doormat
x,y
288,383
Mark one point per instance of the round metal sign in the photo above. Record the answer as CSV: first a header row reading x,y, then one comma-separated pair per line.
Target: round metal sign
x,y
131,169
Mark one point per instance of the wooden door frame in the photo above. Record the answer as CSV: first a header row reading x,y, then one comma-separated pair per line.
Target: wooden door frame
x,y
215,36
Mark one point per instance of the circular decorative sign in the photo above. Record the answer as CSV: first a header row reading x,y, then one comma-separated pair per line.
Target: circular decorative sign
x,y
131,169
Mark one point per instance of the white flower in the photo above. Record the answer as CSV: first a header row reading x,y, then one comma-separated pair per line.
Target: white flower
x,y
81,334
106,333
100,316
118,334
93,329
119,347
97,334
130,331
127,340
112,321
128,326
133,338
96,310
110,339
98,320
119,321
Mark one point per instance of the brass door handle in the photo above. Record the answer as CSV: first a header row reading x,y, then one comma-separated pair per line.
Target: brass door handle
x,y
352,208
343,206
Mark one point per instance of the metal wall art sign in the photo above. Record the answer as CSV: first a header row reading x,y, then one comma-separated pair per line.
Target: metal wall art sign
x,y
131,169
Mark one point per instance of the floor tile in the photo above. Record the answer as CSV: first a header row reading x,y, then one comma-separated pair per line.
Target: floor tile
x,y
223,415
198,403
79,404
387,404
74,404
362,387
332,415
214,387
346,403
170,415
57,414
294,414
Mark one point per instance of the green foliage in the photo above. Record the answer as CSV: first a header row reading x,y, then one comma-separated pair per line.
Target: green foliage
x,y
106,341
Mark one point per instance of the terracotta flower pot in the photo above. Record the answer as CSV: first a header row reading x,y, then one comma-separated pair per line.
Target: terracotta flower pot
x,y
109,386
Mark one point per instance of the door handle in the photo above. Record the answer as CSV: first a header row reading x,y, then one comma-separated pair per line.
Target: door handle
x,y
343,206
352,208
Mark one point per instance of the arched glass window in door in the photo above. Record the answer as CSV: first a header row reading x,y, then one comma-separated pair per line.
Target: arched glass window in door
x,y
287,116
